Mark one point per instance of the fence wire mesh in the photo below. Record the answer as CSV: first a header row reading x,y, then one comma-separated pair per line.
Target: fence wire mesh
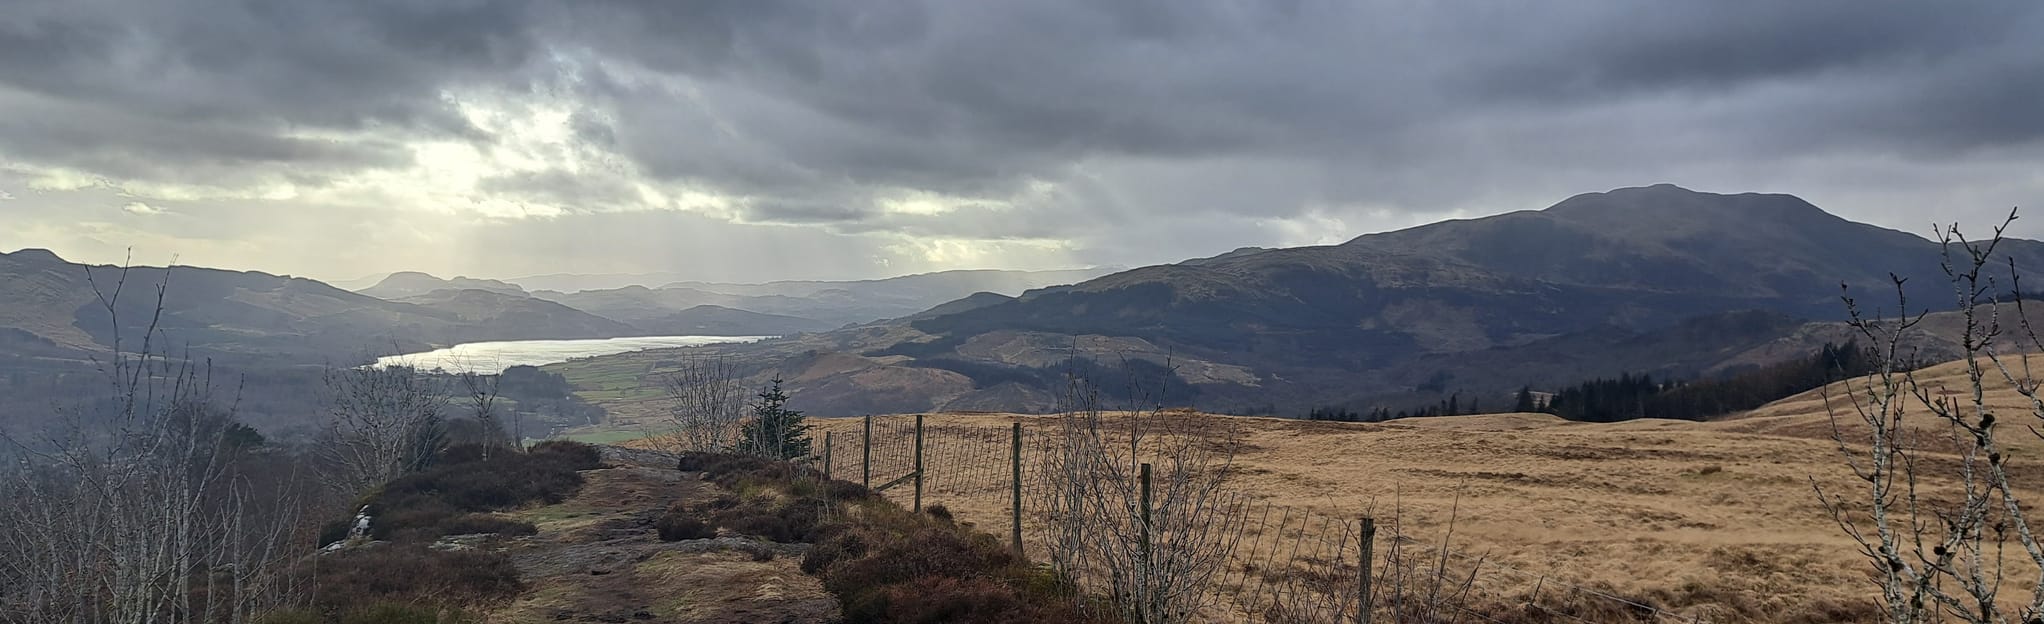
x,y
1279,563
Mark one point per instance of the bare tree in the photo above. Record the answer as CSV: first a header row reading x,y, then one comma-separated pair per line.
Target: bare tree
x,y
480,392
706,403
1134,501
1938,510
141,506
385,421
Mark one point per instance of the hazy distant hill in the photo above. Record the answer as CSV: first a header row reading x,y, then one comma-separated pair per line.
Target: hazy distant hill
x,y
829,304
714,320
574,282
1596,284
50,307
490,311
413,284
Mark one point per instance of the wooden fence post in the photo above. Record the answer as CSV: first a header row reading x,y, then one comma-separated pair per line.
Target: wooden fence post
x,y
919,463
1369,545
827,454
866,456
1015,511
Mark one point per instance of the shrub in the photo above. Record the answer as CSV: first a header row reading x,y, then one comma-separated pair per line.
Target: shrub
x,y
677,524
394,613
785,522
884,563
361,578
468,524
336,530
895,566
843,545
946,599
573,455
294,616
446,499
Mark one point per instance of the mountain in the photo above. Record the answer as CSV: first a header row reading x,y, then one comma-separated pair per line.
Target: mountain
x,y
490,311
714,320
413,284
51,311
1599,283
828,303
575,282
938,286
967,303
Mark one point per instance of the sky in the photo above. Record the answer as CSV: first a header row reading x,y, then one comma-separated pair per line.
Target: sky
x,y
746,140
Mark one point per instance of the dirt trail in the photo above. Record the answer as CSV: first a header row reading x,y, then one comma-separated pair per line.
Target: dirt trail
x,y
598,558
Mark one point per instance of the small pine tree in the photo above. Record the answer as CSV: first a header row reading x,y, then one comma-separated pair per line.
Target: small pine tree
x,y
1525,403
774,430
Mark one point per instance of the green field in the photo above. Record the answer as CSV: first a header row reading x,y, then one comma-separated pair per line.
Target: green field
x,y
622,377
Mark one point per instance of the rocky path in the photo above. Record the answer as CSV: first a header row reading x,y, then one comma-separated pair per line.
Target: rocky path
x,y
597,558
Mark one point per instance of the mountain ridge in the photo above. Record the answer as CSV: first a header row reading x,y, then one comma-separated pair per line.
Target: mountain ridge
x,y
1351,321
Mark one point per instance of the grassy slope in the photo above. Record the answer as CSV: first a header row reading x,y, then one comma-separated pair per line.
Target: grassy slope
x,y
1716,517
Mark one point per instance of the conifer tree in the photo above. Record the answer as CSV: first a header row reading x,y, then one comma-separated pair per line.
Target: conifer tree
x,y
774,430
1525,404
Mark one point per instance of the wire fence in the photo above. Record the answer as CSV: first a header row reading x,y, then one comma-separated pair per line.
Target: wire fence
x,y
1281,563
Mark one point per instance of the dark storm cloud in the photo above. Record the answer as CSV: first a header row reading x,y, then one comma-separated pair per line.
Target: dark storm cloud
x,y
1204,122
219,81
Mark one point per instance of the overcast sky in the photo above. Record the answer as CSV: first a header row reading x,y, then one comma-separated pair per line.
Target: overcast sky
x,y
751,139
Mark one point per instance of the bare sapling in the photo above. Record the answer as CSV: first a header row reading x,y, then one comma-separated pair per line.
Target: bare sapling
x,y
139,506
385,421
1134,503
706,401
1935,510
479,391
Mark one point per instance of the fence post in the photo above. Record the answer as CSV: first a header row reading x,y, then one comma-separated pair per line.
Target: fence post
x,y
827,436
919,463
1369,544
1015,512
866,455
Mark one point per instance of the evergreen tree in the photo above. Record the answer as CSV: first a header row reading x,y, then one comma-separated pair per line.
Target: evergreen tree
x,y
774,430
1525,403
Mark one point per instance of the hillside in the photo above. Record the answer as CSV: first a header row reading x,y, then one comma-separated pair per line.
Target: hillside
x,y
1658,279
921,287
413,284
253,316
829,304
492,311
1713,521
715,320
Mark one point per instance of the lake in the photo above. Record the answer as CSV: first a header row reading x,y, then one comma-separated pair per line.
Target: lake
x,y
494,357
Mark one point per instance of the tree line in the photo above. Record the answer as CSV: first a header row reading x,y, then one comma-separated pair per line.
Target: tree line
x,y
1641,396
1630,396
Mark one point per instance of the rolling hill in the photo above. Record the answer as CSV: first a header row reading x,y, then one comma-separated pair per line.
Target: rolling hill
x,y
413,284
829,304
715,320
52,310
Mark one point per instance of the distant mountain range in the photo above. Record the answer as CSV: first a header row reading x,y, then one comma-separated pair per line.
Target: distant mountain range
x,y
827,305
413,284
1656,278
50,310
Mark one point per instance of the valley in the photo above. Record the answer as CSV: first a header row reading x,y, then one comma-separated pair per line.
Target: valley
x,y
1716,519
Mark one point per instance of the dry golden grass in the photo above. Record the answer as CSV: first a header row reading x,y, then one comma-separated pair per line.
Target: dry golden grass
x,y
1680,515
1717,519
